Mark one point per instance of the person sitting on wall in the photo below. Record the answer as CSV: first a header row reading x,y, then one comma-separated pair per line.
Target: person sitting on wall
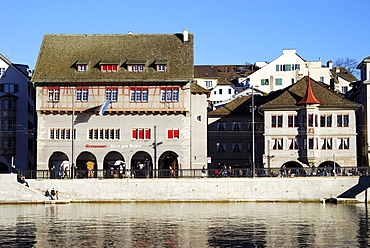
x,y
23,181
47,194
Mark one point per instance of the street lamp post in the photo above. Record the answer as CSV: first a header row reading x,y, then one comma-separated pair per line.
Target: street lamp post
x,y
253,137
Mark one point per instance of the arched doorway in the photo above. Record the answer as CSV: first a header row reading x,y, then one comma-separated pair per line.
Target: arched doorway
x,y
142,165
292,169
114,165
169,163
326,168
4,168
86,165
58,165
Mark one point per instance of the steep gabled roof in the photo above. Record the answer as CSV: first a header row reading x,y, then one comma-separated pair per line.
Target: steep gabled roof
x,y
59,55
195,88
343,73
296,92
15,66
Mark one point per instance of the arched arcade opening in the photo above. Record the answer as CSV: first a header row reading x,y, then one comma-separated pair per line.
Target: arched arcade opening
x,y
114,165
86,165
58,165
142,165
292,168
3,168
168,164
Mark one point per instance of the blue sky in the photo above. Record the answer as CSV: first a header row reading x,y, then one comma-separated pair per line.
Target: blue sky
x,y
226,32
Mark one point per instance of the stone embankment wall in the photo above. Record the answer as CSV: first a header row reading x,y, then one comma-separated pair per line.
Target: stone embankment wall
x,y
202,189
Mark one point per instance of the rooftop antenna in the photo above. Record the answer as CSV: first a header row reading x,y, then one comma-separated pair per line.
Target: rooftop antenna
x,y
8,45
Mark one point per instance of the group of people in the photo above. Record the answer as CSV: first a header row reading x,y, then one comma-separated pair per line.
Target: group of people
x,y
53,194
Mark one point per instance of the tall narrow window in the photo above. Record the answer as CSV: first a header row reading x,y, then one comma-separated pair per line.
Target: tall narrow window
x,y
236,126
221,126
53,94
220,147
82,94
236,147
111,94
141,133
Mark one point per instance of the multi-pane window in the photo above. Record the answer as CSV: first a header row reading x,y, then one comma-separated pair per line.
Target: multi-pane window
x,y
236,126
236,147
343,143
293,121
161,67
109,68
325,120
288,67
82,94
221,126
82,67
312,143
170,94
139,94
342,120
276,121
10,88
293,144
53,94
208,84
344,89
8,104
61,134
326,143
111,94
104,134
312,120
173,134
249,126
278,81
264,81
136,68
220,147
141,133
277,144
7,124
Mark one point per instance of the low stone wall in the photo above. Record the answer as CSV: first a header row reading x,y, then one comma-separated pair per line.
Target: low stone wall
x,y
202,189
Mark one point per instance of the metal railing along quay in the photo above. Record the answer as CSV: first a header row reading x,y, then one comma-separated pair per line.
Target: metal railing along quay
x,y
197,173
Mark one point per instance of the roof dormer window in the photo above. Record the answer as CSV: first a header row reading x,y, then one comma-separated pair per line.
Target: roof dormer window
x,y
136,65
82,67
136,68
161,65
108,66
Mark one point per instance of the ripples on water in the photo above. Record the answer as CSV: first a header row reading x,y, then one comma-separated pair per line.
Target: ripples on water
x,y
185,225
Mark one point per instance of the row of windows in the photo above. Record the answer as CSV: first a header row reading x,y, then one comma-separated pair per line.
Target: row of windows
x,y
229,91
114,68
288,67
235,147
110,134
136,94
310,144
313,120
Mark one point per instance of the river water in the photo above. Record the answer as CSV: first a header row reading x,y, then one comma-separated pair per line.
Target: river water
x,y
184,225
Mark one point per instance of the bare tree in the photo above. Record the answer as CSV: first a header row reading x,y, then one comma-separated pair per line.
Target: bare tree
x,y
348,63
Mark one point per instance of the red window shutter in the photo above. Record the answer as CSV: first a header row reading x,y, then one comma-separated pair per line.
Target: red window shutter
x,y
103,67
176,133
147,133
114,67
141,133
170,134
134,133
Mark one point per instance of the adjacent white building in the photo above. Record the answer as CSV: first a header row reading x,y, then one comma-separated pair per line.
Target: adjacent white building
x,y
286,70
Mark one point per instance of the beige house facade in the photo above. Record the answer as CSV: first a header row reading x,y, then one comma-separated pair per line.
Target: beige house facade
x,y
127,99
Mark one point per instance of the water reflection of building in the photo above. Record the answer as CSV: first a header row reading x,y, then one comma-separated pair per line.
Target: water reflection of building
x,y
132,96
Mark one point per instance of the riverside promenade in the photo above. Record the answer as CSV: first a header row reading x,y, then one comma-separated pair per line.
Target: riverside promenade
x,y
278,189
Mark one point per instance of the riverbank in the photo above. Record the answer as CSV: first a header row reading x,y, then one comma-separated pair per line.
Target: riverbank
x,y
283,189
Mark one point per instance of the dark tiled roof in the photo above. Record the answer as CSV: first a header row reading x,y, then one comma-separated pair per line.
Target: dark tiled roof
x,y
195,88
295,93
205,71
59,54
343,73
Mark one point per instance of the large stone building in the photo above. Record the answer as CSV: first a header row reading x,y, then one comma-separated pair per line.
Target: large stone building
x,y
130,98
17,117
